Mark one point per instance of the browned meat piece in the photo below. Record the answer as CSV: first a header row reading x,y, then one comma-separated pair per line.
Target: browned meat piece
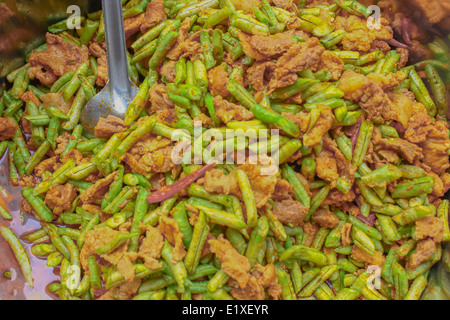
x,y
326,167
59,198
301,119
120,257
266,275
169,228
159,99
404,57
49,165
217,182
179,48
263,186
389,81
133,25
429,227
56,100
59,58
96,209
326,219
311,231
262,277
359,37
337,198
364,257
423,252
97,191
105,128
148,143
160,160
29,95
290,212
61,143
432,137
260,74
344,166
26,128
252,290
345,234
76,155
204,119
227,111
322,126
25,206
124,291
8,128
283,190
134,164
28,181
153,15
409,151
265,47
168,71
333,63
150,249
370,96
434,10
301,56
234,264
218,79
206,247
98,50
418,52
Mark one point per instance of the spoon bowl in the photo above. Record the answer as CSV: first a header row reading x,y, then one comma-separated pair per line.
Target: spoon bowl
x,y
120,91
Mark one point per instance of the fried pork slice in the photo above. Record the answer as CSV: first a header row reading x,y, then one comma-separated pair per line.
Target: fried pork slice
x,y
299,57
8,128
326,219
429,227
424,250
232,262
97,191
266,47
59,198
290,212
59,58
227,111
106,128
171,231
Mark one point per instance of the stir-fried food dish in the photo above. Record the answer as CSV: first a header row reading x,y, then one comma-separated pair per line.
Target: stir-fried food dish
x,y
362,154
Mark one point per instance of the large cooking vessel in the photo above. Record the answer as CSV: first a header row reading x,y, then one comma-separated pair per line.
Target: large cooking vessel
x,y
22,27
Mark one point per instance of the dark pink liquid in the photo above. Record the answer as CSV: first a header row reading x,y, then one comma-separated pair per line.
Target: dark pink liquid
x,y
16,287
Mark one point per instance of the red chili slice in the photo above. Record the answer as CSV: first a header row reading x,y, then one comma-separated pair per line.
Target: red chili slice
x,y
370,220
355,136
397,44
406,31
169,191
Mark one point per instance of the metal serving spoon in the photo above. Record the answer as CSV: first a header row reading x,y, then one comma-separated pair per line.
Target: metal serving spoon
x,y
119,91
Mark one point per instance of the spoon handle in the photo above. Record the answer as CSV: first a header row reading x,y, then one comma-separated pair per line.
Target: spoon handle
x,y
116,47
